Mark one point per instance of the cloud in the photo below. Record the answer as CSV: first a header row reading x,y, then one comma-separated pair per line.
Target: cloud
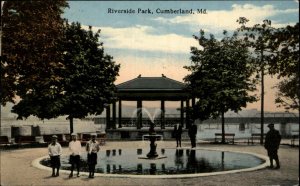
x,y
132,66
141,38
217,20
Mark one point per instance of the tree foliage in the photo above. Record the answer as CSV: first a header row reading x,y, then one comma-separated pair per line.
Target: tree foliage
x,y
259,39
286,44
31,31
288,93
89,74
220,76
276,50
86,81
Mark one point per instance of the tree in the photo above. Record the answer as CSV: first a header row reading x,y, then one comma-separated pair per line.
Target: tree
x,y
31,31
87,79
220,77
258,38
288,93
285,42
89,76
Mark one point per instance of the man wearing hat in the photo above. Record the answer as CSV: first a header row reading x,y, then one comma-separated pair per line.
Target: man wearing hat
x,y
272,143
92,147
177,134
55,150
192,132
75,148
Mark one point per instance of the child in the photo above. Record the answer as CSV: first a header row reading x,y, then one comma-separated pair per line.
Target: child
x,y
75,148
54,150
92,147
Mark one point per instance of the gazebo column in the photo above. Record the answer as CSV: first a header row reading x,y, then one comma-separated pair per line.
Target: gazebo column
x,y
181,113
193,102
193,106
114,113
139,114
162,118
108,126
120,113
187,117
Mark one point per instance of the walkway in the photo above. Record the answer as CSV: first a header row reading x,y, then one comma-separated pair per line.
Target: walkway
x,y
16,169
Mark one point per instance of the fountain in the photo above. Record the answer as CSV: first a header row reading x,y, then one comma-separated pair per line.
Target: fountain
x,y
152,138
152,134
167,162
144,110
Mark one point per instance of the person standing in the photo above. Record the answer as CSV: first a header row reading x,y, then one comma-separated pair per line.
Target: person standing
x,y
192,132
272,143
54,151
92,148
75,148
177,134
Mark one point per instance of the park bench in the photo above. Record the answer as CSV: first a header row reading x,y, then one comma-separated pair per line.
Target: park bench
x,y
229,137
254,136
4,140
25,140
294,139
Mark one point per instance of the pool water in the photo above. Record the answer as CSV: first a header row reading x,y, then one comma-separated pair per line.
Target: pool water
x,y
177,161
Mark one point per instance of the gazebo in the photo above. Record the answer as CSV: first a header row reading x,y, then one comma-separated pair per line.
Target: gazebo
x,y
149,89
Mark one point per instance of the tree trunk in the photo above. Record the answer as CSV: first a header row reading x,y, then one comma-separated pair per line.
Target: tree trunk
x,y
262,99
71,124
223,128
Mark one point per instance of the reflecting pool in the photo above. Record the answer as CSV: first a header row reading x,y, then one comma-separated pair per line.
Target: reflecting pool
x,y
177,161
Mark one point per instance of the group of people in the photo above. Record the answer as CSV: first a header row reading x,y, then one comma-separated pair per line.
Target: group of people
x,y
55,150
272,141
192,132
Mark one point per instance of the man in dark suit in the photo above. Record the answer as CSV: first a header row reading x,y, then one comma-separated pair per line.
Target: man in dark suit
x,y
272,143
177,134
192,132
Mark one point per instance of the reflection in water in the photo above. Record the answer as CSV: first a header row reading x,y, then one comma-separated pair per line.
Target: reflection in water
x,y
139,151
107,153
179,158
114,152
126,161
108,168
152,168
139,168
163,167
191,164
222,161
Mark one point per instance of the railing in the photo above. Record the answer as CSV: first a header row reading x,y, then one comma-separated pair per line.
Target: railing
x,y
170,121
129,122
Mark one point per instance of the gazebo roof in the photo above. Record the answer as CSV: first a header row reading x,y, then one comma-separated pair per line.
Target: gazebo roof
x,y
151,83
151,88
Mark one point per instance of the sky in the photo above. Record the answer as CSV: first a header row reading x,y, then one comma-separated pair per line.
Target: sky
x,y
147,41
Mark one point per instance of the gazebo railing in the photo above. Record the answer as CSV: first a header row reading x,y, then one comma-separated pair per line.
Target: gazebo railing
x,y
132,122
